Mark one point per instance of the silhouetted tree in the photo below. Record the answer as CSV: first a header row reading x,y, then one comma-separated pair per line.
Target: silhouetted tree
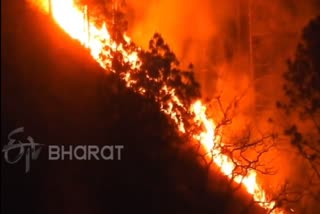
x,y
302,90
302,106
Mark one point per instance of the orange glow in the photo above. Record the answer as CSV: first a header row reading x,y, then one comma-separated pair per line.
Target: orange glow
x,y
227,166
71,18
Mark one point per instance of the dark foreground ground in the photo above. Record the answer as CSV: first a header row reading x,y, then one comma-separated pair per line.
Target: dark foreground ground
x,y
52,88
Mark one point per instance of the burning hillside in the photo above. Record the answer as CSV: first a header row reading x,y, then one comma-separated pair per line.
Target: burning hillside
x,y
155,74
62,97
142,84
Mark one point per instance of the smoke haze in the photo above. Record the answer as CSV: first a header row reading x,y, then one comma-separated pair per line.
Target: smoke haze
x,y
214,36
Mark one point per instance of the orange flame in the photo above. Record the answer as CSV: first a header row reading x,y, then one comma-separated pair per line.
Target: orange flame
x,y
227,166
72,20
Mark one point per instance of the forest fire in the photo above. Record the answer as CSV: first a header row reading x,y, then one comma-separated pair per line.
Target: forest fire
x,y
107,52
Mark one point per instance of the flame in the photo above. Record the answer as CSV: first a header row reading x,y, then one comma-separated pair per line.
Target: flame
x,y
73,20
227,166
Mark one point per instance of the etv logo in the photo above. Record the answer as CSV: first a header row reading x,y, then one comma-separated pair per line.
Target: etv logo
x,y
32,150
29,149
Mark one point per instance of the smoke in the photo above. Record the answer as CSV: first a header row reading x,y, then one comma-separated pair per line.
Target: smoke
x,y
189,26
214,36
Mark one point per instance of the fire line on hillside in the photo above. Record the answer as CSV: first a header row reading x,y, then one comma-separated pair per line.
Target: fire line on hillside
x,y
185,113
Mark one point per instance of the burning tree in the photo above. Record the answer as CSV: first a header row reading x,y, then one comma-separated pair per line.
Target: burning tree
x,y
159,78
111,12
155,74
